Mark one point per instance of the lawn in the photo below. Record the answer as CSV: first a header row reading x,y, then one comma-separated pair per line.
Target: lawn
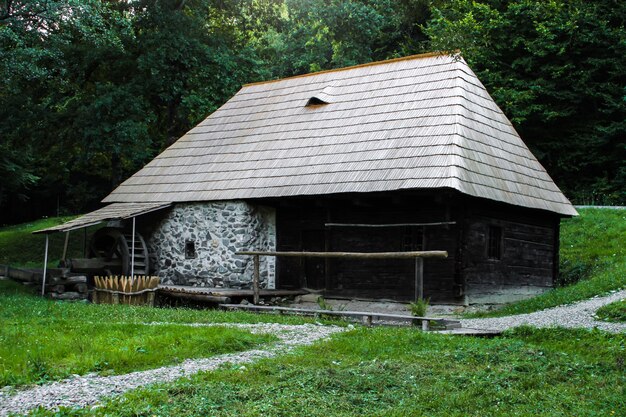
x,y
593,261
615,311
20,248
43,340
401,372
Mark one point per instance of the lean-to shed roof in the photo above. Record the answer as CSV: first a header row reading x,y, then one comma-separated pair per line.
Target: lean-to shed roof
x,y
412,123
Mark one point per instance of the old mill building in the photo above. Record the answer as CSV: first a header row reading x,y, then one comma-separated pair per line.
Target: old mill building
x,y
407,154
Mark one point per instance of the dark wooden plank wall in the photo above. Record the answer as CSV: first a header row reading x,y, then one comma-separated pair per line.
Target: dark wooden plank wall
x,y
301,227
529,252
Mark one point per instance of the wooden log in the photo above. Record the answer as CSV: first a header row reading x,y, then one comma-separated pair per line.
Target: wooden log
x,y
56,288
74,279
353,255
67,296
94,265
388,225
200,297
81,288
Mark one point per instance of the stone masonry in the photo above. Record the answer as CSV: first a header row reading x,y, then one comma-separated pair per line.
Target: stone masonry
x,y
195,244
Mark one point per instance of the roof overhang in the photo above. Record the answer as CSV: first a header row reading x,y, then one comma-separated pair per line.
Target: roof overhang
x,y
115,211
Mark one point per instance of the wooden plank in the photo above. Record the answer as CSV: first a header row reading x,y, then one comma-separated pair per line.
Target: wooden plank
x,y
340,313
200,297
387,225
230,292
354,255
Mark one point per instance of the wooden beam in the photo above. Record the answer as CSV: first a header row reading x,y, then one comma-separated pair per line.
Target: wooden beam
x,y
354,255
367,316
419,279
45,268
387,225
65,244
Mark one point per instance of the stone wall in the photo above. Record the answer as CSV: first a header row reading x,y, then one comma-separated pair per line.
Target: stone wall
x,y
195,243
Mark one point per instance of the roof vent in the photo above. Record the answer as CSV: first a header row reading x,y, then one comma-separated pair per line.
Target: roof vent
x,y
324,96
315,101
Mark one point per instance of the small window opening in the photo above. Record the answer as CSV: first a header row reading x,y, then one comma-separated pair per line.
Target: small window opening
x,y
314,101
190,249
494,243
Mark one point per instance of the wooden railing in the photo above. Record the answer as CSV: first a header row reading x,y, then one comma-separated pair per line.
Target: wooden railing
x,y
417,255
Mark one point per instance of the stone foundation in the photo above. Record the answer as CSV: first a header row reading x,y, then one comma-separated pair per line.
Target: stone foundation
x,y
195,244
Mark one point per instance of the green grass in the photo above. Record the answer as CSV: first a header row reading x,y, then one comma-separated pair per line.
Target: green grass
x,y
593,262
615,311
43,340
20,248
401,372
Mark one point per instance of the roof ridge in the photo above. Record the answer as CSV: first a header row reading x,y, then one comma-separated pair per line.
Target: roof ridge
x,y
456,52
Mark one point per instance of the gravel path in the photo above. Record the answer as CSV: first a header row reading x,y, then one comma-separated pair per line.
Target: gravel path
x,y
577,315
82,391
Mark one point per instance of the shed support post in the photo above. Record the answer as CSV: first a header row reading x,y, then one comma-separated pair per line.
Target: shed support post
x,y
132,253
67,241
45,267
419,278
255,279
84,242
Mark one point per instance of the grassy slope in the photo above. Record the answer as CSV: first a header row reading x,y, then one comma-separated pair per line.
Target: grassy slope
x,y
19,247
593,248
400,372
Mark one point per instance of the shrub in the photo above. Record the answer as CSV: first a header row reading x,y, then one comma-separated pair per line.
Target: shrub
x,y
420,307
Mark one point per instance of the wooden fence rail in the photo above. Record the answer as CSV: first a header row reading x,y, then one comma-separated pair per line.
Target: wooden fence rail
x,y
417,255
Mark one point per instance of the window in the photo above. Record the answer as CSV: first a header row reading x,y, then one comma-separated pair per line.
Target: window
x,y
494,243
190,249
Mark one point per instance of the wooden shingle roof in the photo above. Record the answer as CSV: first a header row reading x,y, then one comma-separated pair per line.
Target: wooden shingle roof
x,y
413,123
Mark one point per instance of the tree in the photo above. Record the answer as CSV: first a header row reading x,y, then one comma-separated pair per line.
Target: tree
x,y
557,70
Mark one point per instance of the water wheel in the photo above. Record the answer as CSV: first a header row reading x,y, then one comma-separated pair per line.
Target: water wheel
x,y
116,247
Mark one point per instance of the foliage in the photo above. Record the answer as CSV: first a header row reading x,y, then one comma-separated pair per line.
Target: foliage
x,y
556,69
615,311
593,261
399,372
420,307
90,91
43,340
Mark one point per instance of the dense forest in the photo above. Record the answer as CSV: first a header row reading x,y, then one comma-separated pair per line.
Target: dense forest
x,y
91,90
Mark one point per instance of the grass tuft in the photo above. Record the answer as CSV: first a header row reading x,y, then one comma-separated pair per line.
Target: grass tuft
x,y
615,311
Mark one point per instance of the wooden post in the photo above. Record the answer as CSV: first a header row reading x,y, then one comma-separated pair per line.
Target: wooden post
x,y
84,242
255,279
67,241
132,253
419,278
45,267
